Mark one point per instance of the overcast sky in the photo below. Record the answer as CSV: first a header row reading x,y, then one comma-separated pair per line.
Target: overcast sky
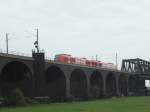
x,y
81,28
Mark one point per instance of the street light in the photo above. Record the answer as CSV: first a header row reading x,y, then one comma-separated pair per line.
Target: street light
x,y
36,43
117,59
7,39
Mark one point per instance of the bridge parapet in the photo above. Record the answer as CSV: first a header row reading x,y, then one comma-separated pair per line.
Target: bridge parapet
x,y
13,54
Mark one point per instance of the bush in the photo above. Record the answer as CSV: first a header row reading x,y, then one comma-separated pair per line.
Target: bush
x,y
16,97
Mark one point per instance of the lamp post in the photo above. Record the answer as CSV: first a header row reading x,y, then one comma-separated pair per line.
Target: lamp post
x,y
7,39
116,59
36,43
96,57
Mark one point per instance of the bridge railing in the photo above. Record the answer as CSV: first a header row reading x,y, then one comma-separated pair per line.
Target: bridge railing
x,y
15,53
48,59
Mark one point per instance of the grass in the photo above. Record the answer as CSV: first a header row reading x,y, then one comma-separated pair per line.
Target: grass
x,y
129,104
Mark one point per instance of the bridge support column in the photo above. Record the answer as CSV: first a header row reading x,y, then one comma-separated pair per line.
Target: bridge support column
x,y
117,86
88,88
104,89
68,90
128,86
104,85
39,77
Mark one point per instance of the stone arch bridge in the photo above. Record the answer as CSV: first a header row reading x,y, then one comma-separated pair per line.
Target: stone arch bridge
x,y
38,77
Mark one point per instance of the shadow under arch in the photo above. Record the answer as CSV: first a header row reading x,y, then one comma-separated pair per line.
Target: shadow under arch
x,y
123,89
16,74
132,82
96,82
78,84
56,83
136,85
110,85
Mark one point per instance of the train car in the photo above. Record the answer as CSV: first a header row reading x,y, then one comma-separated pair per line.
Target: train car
x,y
104,65
77,61
99,64
68,59
83,61
112,66
72,60
109,66
88,63
64,58
94,63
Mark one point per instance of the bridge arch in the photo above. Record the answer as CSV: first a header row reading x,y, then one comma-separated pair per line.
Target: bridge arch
x,y
56,81
123,85
110,84
16,74
96,82
78,84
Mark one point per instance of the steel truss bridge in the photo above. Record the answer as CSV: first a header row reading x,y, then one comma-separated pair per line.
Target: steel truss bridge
x,y
137,66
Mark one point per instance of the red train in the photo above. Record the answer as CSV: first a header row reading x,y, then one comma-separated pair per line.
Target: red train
x,y
68,59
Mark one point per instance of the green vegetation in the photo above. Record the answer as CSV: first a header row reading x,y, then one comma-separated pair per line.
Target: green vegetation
x,y
15,97
130,104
